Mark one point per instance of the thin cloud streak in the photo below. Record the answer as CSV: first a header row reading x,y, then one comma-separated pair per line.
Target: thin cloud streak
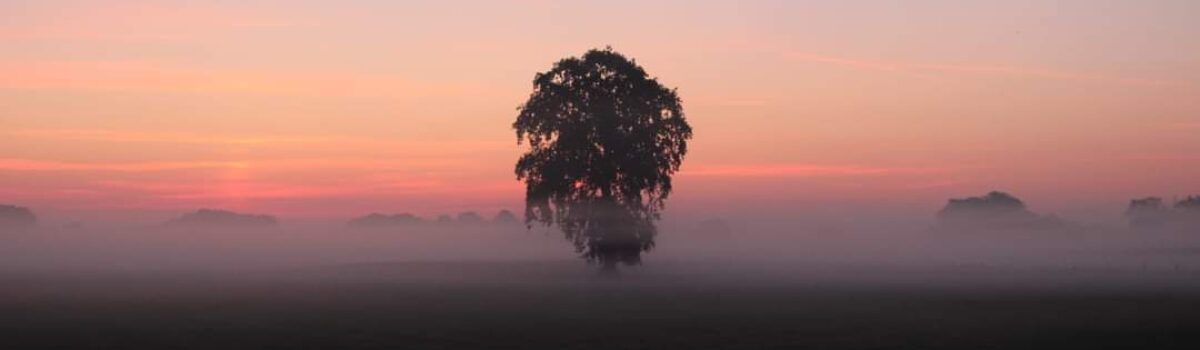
x,y
934,184
363,149
141,21
260,190
162,137
805,170
45,165
922,70
159,77
10,164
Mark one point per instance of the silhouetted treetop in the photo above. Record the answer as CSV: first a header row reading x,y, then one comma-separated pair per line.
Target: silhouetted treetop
x,y
604,140
12,216
995,210
1148,204
994,201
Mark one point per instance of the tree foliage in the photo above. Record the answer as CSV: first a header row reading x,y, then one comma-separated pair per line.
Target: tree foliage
x,y
603,141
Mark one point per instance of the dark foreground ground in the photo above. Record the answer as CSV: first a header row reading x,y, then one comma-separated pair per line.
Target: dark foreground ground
x,y
562,305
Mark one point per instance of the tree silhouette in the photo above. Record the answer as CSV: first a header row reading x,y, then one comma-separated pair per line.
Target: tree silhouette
x,y
604,140
12,216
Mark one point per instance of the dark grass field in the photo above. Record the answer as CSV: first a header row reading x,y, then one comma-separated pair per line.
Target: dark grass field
x,y
563,305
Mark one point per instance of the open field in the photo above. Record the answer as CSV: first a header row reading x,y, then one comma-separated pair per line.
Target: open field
x,y
562,305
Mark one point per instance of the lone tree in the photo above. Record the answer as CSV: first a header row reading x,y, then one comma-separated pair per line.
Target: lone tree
x,y
604,139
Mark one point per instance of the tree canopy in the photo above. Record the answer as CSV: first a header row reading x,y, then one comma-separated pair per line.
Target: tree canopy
x,y
603,140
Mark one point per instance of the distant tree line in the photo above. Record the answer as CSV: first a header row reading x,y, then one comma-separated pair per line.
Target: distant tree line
x,y
1000,210
503,217
1154,213
994,210
217,218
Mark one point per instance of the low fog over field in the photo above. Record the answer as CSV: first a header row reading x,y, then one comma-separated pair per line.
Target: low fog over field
x,y
990,232
981,271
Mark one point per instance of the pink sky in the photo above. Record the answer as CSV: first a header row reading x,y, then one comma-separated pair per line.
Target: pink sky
x,y
317,109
